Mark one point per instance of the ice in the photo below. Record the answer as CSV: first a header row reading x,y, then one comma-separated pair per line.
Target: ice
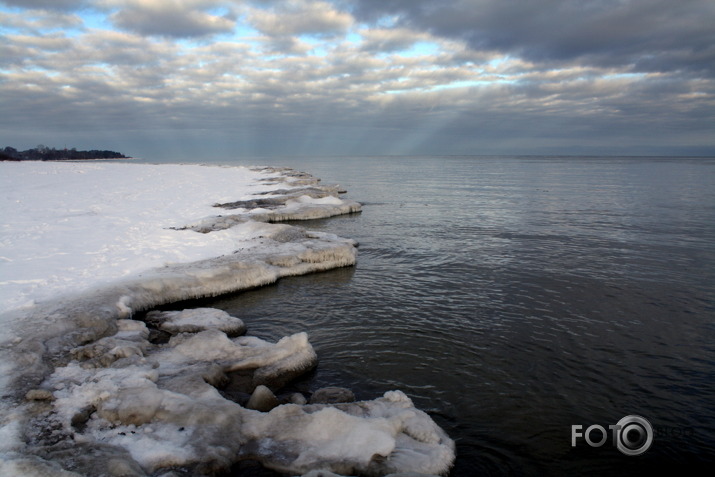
x,y
306,207
32,466
194,320
88,389
377,437
163,408
262,399
67,226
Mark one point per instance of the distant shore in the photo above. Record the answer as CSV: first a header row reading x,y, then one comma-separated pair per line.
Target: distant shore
x,y
72,160
44,153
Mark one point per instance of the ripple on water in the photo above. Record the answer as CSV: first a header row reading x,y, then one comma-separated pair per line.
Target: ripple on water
x,y
512,298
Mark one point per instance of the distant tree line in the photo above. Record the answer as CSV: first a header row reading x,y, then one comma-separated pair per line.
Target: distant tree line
x,y
44,153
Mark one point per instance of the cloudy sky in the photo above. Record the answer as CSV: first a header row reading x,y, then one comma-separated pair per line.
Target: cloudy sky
x,y
217,79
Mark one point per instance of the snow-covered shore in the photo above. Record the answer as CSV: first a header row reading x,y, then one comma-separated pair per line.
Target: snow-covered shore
x,y
85,388
69,226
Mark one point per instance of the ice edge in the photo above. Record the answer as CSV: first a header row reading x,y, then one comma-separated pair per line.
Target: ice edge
x,y
406,438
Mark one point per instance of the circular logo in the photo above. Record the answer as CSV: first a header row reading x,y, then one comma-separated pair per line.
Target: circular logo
x,y
634,436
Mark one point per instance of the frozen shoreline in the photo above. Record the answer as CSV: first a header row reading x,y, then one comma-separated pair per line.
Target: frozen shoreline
x,y
81,354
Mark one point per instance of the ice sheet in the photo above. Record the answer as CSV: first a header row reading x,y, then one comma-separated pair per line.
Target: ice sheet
x,y
85,246
68,226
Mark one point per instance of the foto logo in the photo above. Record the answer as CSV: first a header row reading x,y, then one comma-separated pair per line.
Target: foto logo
x,y
632,435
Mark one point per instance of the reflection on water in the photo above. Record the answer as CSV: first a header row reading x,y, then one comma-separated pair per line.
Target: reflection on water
x,y
514,297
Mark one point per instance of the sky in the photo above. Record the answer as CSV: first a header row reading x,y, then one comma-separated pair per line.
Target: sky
x,y
224,79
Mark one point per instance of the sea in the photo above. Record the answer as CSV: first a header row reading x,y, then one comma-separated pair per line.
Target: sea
x,y
530,305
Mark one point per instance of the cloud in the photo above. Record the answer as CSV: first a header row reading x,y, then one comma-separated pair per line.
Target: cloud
x,y
391,39
47,4
37,21
285,45
299,17
644,34
171,18
373,77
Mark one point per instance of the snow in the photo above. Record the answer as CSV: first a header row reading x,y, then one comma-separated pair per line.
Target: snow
x,y
68,226
85,247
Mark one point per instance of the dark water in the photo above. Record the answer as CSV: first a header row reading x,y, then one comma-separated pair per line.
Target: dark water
x,y
512,298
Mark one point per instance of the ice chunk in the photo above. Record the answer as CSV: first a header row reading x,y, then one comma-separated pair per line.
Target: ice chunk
x,y
377,437
262,400
129,341
308,208
195,320
51,466
161,411
273,365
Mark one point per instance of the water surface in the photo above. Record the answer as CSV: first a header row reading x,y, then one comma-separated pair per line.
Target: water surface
x,y
512,297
